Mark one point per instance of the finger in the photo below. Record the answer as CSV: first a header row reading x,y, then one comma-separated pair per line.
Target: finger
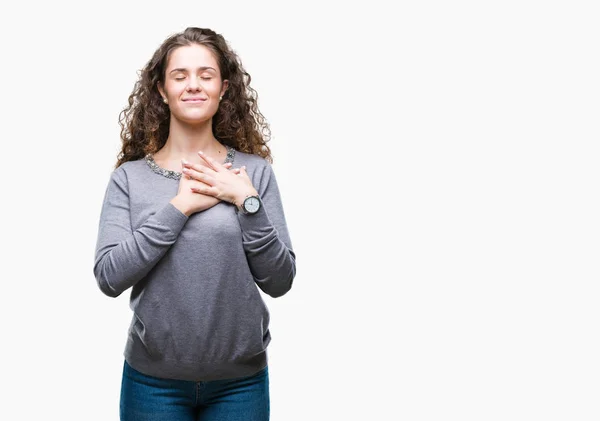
x,y
198,167
228,165
235,170
204,189
209,161
195,175
243,172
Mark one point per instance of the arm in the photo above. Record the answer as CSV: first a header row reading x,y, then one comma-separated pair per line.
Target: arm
x,y
266,240
123,257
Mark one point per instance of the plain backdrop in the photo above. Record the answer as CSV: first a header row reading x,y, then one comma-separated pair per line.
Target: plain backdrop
x,y
438,164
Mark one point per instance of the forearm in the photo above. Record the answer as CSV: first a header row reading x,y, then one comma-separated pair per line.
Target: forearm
x,y
123,260
269,254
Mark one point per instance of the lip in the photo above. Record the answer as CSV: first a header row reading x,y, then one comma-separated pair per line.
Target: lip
x,y
195,99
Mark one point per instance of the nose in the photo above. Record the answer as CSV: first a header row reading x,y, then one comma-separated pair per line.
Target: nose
x,y
194,85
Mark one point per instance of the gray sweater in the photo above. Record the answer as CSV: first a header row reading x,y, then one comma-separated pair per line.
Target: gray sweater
x,y
197,312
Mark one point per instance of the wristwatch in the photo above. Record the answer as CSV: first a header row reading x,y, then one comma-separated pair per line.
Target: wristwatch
x,y
251,205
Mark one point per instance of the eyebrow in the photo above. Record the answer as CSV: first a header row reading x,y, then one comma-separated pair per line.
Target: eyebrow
x,y
180,69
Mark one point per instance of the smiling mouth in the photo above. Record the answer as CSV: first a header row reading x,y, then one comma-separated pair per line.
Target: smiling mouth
x,y
195,100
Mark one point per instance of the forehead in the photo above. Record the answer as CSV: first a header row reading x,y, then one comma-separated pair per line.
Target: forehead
x,y
192,56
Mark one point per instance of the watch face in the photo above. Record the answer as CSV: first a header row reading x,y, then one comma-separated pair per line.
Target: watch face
x,y
252,204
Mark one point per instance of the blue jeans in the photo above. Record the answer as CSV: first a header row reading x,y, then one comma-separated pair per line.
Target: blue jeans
x,y
148,398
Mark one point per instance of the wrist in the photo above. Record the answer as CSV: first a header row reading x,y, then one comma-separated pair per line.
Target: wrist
x,y
239,199
180,206
250,205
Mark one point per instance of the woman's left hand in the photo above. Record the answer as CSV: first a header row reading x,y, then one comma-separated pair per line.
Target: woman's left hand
x,y
216,180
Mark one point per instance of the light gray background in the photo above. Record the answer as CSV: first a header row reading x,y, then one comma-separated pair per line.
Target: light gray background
x,y
438,164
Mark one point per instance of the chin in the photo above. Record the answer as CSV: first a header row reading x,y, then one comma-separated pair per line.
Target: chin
x,y
194,119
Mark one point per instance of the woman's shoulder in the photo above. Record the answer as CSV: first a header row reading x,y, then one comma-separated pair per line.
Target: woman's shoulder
x,y
128,170
249,160
132,166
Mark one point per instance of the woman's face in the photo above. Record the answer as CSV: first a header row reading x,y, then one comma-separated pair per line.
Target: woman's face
x,y
193,84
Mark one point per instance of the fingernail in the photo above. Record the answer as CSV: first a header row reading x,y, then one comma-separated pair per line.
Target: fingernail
x,y
184,161
200,153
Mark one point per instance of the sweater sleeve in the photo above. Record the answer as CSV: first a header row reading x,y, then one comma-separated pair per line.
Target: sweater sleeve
x,y
123,256
266,240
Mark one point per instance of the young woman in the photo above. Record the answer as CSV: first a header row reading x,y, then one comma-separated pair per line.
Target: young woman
x,y
193,223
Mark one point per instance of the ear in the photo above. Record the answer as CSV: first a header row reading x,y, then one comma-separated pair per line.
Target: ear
x,y
224,87
161,90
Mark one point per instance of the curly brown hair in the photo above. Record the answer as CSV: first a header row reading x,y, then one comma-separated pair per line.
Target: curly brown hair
x,y
237,123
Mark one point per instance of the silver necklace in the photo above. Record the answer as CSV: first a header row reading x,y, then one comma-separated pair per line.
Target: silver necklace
x,y
177,175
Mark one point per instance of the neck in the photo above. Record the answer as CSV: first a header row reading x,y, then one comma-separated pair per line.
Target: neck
x,y
185,141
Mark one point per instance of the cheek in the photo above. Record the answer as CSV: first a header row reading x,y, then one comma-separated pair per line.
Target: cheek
x,y
216,84
174,89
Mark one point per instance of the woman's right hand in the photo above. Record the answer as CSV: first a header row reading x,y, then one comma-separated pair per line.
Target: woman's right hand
x,y
189,202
